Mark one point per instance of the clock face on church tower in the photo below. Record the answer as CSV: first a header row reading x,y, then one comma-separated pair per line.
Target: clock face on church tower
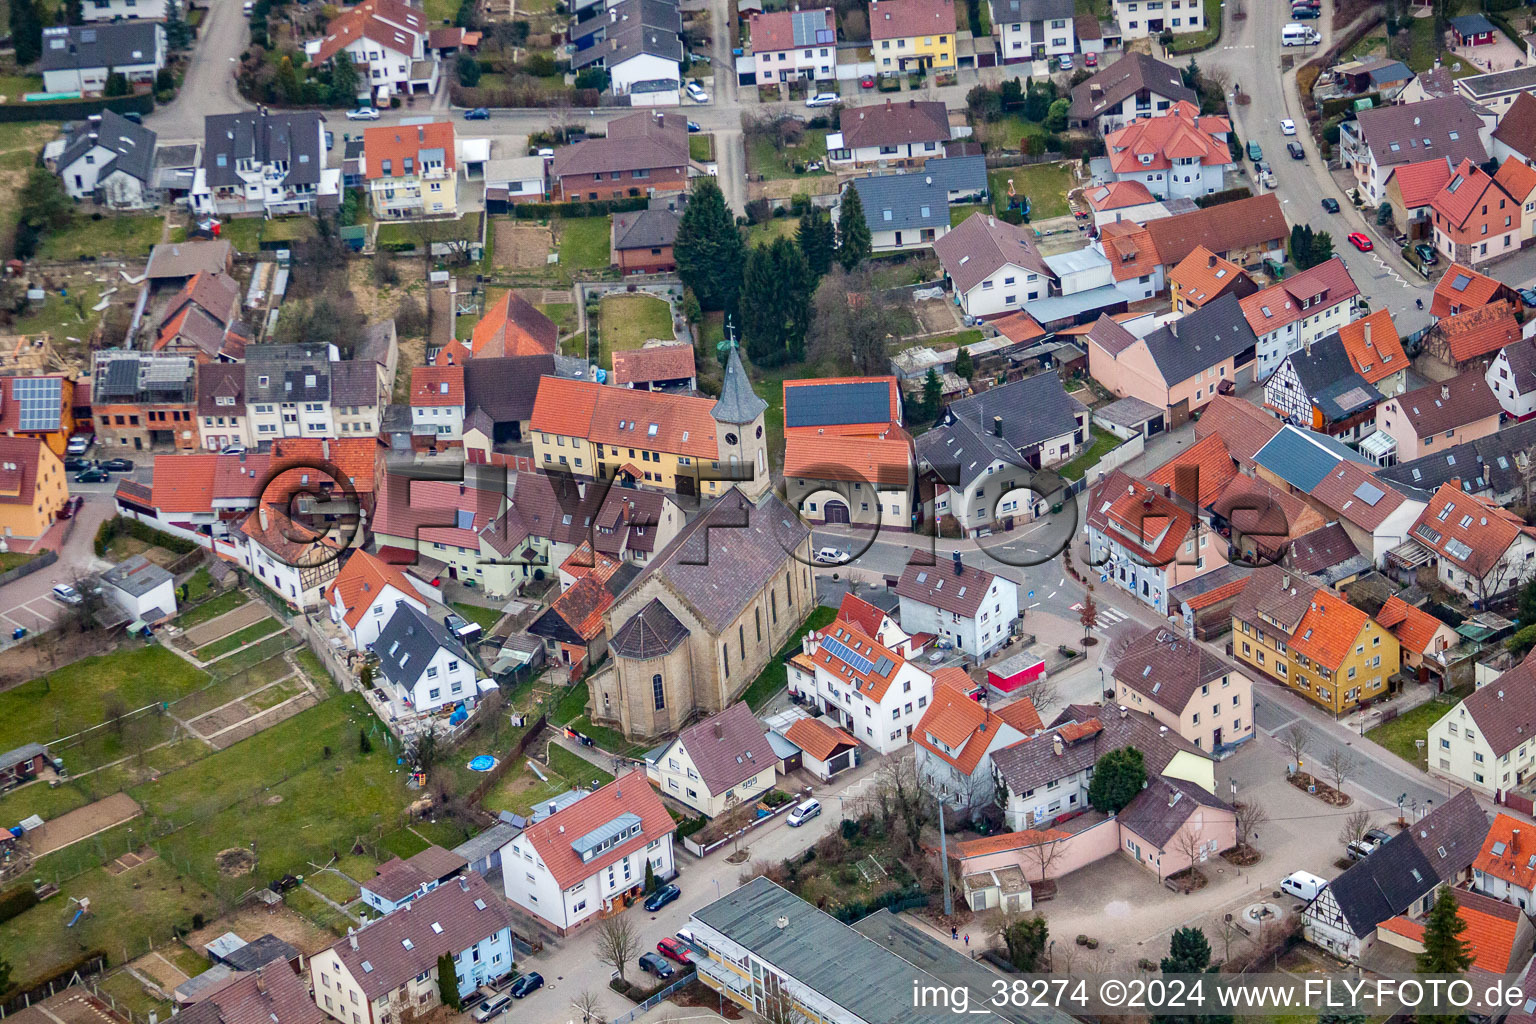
x,y
730,438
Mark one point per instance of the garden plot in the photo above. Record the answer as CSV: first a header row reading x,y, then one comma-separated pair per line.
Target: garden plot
x,y
935,316
521,245
230,622
83,823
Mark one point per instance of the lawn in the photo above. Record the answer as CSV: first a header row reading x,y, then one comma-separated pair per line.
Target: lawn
x,y
235,641
13,87
774,227
959,213
572,705
244,233
211,608
11,559
1103,442
1010,132
1422,50
486,617
1400,734
1046,185
110,236
943,342
63,316
254,655
521,791
329,883
563,314
774,677
1199,40
403,843
322,914
629,321
198,586
701,148
583,244
772,164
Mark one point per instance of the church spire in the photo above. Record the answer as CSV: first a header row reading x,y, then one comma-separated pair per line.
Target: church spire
x,y
738,402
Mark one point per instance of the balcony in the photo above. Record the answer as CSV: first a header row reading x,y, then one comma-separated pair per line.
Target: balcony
x,y
724,977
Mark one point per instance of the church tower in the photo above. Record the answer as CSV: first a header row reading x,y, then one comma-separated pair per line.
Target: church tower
x,y
739,433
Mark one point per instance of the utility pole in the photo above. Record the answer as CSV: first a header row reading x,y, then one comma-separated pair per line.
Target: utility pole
x,y
949,901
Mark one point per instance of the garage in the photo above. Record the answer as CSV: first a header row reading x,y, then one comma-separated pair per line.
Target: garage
x,y
835,512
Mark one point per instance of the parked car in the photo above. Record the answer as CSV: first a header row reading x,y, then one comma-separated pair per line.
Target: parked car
x,y
1331,204
650,963
70,507
363,114
234,449
75,463
1359,241
822,99
673,949
118,465
495,1006
94,475
1090,60
1304,13
134,116
693,127
1528,296
1297,153
661,897
80,444
529,982
1066,62
477,114
867,82
1255,151
66,593
1367,844
831,556
1426,254
1287,127
696,92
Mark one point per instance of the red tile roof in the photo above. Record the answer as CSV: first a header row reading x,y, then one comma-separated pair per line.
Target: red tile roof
x,y
885,461
184,483
437,386
1018,327
1022,715
1117,195
861,614
959,723
1140,517
775,30
624,416
20,460
1245,427
1375,350
395,144
1217,594
1421,182
1130,250
903,19
1245,223
874,683
1477,290
1467,531
512,326
1461,196
1008,841
362,579
1153,143
1202,275
1509,852
1516,178
1208,461
655,363
1328,630
1414,628
1285,302
816,738
378,20
1480,331
1490,934
552,837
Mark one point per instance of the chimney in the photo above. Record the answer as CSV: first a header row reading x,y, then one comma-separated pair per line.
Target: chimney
x,y
1445,392
351,938
1211,261
261,982
1367,334
1124,711
1285,582
1057,744
911,104
464,883
997,426
719,731
887,103
262,513
1514,840
325,449
959,565
551,807
1455,482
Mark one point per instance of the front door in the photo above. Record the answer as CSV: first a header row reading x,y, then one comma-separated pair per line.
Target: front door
x,y
836,512
1215,739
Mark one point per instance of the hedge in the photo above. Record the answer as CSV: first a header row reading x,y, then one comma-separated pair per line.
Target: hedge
x,y
117,525
1080,148
584,208
1229,195
17,901
1346,104
75,110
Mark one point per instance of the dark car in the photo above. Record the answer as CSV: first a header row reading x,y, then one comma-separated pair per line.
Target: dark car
x,y
70,507
1528,296
674,949
118,465
1426,254
694,127
477,114
661,897
529,982
75,463
1331,205
650,963
1297,153
134,116
93,476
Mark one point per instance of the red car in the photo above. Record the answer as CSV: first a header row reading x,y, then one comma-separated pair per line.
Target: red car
x,y
70,507
1359,241
867,82
1090,60
672,949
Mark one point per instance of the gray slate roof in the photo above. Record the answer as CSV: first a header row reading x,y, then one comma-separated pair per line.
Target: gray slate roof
x,y
1013,12
409,640
294,373
738,403
183,259
903,202
257,954
136,576
1126,77
1487,464
133,147
1331,381
645,229
355,382
1409,133
959,173
266,138
1033,411
650,633
1168,668
100,45
1211,334
1034,762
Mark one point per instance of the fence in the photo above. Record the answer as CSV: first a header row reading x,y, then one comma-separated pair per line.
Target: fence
x,y
513,757
656,997
94,963
704,850
42,561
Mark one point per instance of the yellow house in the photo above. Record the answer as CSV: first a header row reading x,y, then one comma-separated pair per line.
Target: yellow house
x,y
411,170
1312,640
694,446
912,35
33,486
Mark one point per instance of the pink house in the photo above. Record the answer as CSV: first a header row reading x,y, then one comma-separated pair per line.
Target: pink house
x,y
1439,415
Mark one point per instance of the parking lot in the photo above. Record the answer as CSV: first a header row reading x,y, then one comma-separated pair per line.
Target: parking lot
x,y
29,602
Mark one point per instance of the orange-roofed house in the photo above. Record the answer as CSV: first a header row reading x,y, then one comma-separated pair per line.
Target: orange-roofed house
x,y
867,688
511,326
1202,277
1475,220
40,407
1411,188
387,41
1375,350
1479,549
366,592
1505,868
1472,338
1422,637
1149,539
824,749
953,744
1519,181
694,446
1306,307
437,406
1461,288
1176,155
412,170
33,486
789,46
1134,264
1116,201
846,457
1497,934
577,865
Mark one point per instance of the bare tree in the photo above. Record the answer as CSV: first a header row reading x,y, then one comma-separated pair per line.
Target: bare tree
x,y
588,1005
87,587
617,943
1190,843
116,715
1045,694
1340,766
903,798
778,1006
1043,855
1355,826
853,321
1295,740
1250,816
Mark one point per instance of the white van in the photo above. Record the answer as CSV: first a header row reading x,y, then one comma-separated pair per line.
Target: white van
x,y
1303,885
493,1007
804,813
1297,34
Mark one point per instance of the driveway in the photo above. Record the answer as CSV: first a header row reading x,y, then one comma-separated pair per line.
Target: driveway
x,y
29,602
209,87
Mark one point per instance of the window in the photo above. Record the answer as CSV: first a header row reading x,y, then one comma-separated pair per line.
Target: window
x,y
658,694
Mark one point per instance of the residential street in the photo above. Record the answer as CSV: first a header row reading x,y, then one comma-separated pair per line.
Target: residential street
x,y
209,87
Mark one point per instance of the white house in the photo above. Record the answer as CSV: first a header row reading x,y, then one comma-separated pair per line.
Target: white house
x,y
1177,154
869,690
1479,549
142,589
513,180
288,391
387,41
266,163
1486,741
1503,867
397,882
794,44
717,763
956,738
890,134
1299,310
1033,29
424,661
1134,86
905,212
437,403
364,595
1384,138
288,558
78,58
122,10
1141,18
969,607
1144,541
637,41
1512,377
994,266
578,864
387,969
112,162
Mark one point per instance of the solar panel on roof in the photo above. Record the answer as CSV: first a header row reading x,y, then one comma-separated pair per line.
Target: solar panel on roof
x,y
1461,282
840,650
122,377
883,666
1369,493
39,399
